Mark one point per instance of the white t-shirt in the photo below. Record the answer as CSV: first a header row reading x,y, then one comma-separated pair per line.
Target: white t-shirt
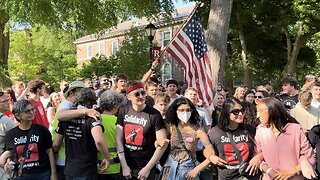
x,y
315,103
173,99
65,104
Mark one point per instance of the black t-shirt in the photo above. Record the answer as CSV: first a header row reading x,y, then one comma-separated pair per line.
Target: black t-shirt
x,y
139,132
39,142
81,151
289,102
243,137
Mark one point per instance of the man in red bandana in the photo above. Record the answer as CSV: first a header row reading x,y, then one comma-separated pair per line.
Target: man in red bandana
x,y
138,127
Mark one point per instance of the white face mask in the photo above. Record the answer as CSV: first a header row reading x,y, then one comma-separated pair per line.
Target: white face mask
x,y
184,116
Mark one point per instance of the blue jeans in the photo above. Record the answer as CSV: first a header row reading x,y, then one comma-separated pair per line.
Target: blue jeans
x,y
81,177
38,176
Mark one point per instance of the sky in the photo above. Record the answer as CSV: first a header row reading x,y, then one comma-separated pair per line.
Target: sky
x,y
179,3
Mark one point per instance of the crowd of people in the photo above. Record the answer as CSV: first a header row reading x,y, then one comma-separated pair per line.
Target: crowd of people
x,y
124,129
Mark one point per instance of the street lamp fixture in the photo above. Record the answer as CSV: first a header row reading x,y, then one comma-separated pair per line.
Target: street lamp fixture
x,y
151,30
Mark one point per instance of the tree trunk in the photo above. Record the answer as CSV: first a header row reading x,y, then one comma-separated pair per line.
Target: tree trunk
x,y
4,49
293,50
217,35
244,53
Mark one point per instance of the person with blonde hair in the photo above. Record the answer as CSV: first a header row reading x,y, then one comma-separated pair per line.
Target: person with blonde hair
x,y
54,101
305,114
162,101
239,93
20,91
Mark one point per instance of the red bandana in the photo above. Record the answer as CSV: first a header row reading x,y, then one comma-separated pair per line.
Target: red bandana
x,y
132,88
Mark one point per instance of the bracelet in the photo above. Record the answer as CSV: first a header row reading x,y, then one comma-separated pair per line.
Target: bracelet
x,y
268,170
152,69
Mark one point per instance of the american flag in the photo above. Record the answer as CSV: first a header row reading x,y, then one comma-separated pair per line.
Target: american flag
x,y
190,50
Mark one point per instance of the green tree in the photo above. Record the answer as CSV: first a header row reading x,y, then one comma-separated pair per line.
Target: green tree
x,y
99,66
78,16
130,59
42,53
133,55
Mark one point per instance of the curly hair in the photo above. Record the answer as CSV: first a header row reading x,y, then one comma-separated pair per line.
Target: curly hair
x,y
172,116
86,97
110,99
34,85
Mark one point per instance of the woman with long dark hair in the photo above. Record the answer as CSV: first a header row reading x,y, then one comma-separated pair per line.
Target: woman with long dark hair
x,y
184,132
230,125
284,146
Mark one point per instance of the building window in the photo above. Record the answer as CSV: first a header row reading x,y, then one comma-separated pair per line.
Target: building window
x,y
102,48
89,51
114,47
166,72
165,38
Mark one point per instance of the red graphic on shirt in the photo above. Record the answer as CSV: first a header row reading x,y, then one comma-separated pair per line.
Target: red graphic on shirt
x,y
231,156
32,156
133,134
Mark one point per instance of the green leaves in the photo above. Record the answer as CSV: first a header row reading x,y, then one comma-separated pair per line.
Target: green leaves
x,y
42,53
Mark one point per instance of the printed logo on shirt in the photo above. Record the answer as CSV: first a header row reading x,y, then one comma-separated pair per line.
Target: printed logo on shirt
x,y
231,156
32,154
23,139
41,110
133,136
135,120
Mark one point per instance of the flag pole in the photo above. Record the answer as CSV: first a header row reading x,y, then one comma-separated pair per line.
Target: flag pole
x,y
181,27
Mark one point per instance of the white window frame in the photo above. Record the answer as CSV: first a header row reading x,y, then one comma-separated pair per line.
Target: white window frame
x,y
163,75
113,52
102,52
89,49
162,37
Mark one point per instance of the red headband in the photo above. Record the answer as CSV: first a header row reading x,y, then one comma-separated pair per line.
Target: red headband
x,y
134,87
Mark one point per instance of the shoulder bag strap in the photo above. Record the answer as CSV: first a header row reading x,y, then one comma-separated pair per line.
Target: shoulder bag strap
x,y
25,151
183,144
236,150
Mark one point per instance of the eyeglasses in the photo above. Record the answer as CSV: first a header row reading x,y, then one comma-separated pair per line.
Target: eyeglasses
x,y
29,111
137,94
236,112
184,110
258,97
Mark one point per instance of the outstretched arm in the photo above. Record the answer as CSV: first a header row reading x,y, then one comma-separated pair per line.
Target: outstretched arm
x,y
66,114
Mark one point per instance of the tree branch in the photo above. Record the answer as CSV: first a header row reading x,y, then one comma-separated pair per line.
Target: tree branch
x,y
289,42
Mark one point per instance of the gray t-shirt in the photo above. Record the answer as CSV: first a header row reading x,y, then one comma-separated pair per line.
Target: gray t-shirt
x,y
5,125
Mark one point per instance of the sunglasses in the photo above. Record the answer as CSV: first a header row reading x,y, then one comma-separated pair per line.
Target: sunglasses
x,y
4,101
137,94
29,111
259,97
236,112
1,93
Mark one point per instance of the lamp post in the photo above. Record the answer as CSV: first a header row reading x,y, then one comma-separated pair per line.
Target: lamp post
x,y
151,30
